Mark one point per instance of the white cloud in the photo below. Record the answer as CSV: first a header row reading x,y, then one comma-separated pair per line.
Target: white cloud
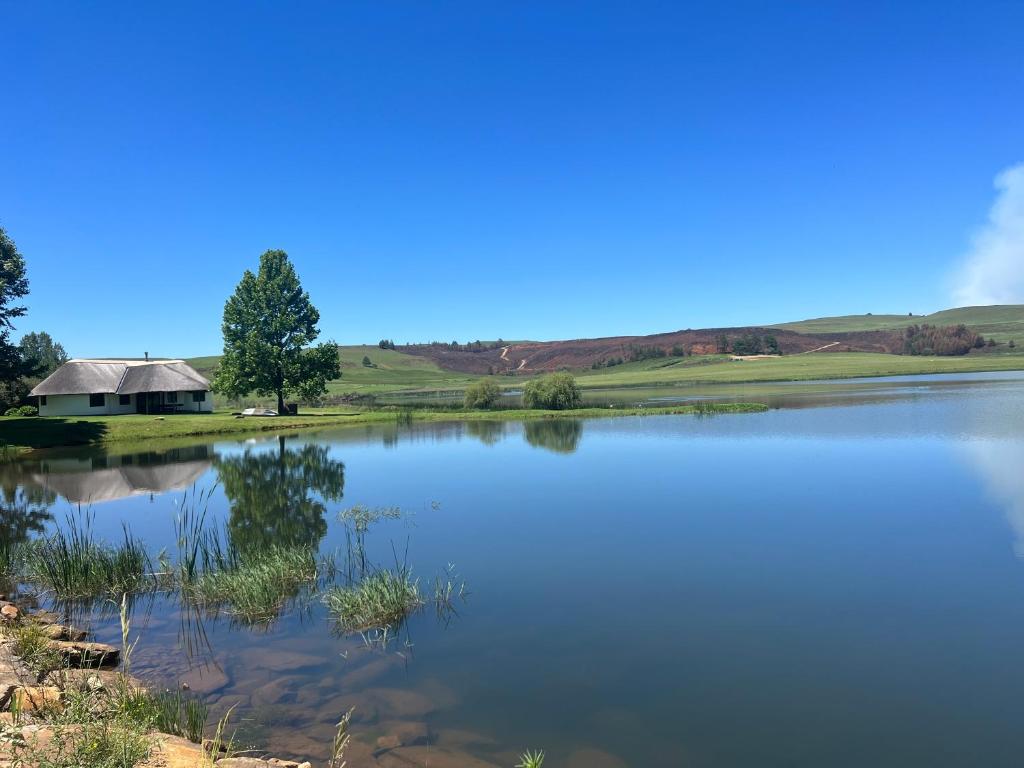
x,y
993,270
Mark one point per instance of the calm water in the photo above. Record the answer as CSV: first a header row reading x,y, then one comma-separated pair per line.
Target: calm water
x,y
837,585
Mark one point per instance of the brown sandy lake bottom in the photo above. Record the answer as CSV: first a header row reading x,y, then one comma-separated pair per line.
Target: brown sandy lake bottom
x,y
838,583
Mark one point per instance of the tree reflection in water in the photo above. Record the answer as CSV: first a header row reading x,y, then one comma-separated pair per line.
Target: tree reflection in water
x,y
557,435
279,498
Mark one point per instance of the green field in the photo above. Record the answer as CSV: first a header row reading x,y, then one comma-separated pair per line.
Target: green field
x,y
394,370
1002,323
825,365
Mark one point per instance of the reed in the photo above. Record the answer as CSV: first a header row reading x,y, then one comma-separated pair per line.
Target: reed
x,y
73,564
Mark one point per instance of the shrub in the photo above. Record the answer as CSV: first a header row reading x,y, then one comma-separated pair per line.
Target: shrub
x,y
481,394
940,340
22,410
557,392
367,362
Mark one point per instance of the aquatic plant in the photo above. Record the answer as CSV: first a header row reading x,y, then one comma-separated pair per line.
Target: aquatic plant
x,y
531,759
73,564
254,587
179,715
341,740
380,601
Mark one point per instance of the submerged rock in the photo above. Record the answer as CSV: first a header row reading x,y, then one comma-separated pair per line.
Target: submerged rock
x,y
207,679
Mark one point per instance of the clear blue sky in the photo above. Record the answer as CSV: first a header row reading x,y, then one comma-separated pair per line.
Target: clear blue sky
x,y
442,170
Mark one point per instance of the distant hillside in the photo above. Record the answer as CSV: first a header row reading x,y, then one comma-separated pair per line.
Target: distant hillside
x,y
439,365
1001,322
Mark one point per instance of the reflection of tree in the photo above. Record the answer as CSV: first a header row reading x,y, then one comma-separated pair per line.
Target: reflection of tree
x,y
279,498
559,435
23,511
488,432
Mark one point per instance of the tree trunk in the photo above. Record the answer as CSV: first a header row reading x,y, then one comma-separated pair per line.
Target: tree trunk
x,y
280,403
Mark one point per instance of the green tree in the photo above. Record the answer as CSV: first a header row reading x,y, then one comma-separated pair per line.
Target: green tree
x,y
269,325
13,286
47,353
557,392
278,498
481,394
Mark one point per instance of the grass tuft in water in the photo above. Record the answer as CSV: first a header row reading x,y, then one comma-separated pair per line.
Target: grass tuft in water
x,y
73,564
531,759
255,587
179,715
381,601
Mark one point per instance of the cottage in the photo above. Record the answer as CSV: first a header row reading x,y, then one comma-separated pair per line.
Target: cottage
x,y
107,387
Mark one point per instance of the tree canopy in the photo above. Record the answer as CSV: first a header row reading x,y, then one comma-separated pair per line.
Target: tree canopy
x,y
47,354
269,328
13,286
557,392
481,394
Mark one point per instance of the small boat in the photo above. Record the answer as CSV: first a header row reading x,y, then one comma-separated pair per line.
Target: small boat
x,y
259,412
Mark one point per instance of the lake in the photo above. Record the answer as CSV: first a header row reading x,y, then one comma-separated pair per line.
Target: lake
x,y
838,581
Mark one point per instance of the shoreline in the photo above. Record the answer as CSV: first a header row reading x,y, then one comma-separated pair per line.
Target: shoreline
x,y
34,435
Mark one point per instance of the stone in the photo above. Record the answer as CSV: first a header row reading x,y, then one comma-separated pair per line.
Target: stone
x,y
37,698
61,632
280,690
175,752
367,673
431,757
78,654
279,660
91,679
45,617
594,758
204,680
403,733
9,612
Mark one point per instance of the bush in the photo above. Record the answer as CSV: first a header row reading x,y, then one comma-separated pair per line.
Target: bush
x,y
481,394
557,392
22,410
940,340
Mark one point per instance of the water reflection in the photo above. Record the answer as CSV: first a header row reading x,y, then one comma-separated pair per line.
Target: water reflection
x,y
556,435
278,498
102,477
1001,467
487,432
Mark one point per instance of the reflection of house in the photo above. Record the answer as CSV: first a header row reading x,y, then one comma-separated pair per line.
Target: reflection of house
x,y
104,478
103,387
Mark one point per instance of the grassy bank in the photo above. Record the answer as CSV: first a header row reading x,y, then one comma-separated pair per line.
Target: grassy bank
x,y
831,365
21,435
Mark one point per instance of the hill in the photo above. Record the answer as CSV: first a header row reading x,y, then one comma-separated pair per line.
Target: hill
x,y
1001,322
682,355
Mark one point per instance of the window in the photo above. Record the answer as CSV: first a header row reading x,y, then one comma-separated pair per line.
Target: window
x,y
97,401
125,400
172,397
198,397
42,399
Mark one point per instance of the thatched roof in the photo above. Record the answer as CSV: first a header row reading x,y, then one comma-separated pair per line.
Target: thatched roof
x,y
121,377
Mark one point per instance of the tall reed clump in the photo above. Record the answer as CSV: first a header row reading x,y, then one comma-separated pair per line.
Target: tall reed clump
x,y
253,585
73,564
380,601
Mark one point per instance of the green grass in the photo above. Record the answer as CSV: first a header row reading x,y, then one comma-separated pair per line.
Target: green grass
x,y
825,365
74,565
1002,322
255,588
393,370
380,602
